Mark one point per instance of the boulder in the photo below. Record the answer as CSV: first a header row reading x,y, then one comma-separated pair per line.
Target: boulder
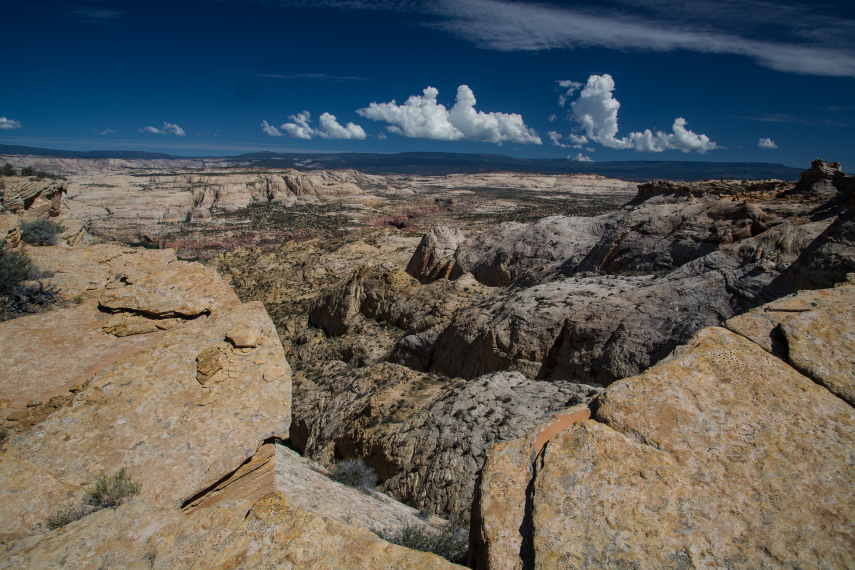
x,y
434,257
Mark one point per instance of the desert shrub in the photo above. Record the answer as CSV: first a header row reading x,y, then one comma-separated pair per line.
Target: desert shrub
x,y
67,515
112,490
28,171
108,491
451,542
354,473
40,232
15,268
8,170
4,433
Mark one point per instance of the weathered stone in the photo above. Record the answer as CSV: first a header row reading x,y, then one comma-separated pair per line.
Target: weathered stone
x,y
142,406
18,415
208,363
10,232
434,257
812,330
700,461
243,336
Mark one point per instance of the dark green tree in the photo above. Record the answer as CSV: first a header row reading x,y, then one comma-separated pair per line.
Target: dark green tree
x,y
8,170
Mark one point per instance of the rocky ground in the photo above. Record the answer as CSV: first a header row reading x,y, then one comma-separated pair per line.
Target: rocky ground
x,y
636,385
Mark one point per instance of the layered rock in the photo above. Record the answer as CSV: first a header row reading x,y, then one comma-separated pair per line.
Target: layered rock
x,y
425,436
699,461
822,180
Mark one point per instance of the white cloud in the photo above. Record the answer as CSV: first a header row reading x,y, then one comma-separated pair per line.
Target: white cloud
x,y
570,86
168,129
579,157
270,129
576,141
9,124
516,26
421,116
106,132
596,113
766,143
328,128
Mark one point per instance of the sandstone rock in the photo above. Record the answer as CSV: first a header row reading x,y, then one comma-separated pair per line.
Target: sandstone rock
x,y
261,525
10,232
18,415
812,330
178,290
33,199
244,336
434,257
142,406
425,437
821,180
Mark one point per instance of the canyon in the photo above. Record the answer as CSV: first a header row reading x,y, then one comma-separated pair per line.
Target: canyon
x,y
593,373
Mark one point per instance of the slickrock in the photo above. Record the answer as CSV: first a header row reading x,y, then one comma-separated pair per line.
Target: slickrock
x,y
813,331
33,199
425,436
141,406
821,180
434,257
265,533
700,461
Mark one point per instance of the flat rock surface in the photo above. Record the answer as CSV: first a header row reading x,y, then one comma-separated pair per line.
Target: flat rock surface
x,y
44,355
144,408
702,461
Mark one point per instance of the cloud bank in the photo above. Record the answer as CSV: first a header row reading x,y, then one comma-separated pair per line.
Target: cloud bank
x,y
766,143
9,124
421,116
168,129
596,113
328,128
650,25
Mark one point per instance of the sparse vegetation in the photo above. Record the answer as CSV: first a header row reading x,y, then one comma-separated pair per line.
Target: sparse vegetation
x,y
8,170
4,433
354,473
18,296
451,541
40,232
109,491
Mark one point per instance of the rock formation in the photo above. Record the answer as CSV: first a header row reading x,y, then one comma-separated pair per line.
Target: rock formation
x,y
425,436
699,461
161,370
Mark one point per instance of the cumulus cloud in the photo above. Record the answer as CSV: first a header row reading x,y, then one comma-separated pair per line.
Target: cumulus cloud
x,y
575,141
766,143
421,116
596,113
9,124
579,157
570,88
328,128
167,129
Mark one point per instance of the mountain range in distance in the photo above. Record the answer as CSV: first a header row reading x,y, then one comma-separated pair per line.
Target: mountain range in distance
x,y
442,163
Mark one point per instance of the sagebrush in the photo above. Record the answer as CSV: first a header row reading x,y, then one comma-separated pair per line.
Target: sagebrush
x,y
354,473
40,232
451,541
108,491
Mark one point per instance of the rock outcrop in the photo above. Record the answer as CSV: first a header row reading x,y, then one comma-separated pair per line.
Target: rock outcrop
x,y
434,257
425,436
700,461
822,180
162,371
577,304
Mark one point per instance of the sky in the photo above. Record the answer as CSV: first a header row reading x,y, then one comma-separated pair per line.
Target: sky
x,y
711,80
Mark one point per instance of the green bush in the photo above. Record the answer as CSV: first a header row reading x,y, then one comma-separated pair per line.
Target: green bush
x,y
15,268
451,542
28,171
109,491
354,473
40,232
8,170
112,490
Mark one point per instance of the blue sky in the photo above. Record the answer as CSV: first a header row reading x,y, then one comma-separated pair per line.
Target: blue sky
x,y
639,79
